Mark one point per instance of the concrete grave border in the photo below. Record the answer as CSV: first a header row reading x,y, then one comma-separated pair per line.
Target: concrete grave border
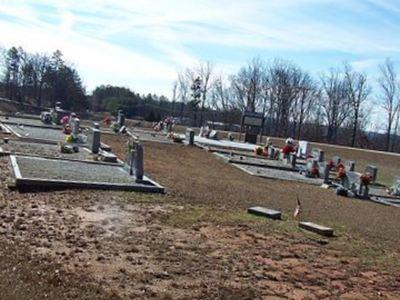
x,y
9,153
305,180
32,183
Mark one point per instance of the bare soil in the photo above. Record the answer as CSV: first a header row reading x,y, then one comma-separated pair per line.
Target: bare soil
x,y
195,242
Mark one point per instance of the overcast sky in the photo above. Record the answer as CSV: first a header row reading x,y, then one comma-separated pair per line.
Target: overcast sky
x,y
142,44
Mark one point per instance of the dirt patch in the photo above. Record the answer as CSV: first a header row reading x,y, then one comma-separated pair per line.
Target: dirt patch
x,y
195,176
196,242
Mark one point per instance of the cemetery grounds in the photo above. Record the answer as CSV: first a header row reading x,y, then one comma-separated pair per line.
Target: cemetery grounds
x,y
197,241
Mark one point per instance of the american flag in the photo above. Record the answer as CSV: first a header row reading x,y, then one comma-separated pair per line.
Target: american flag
x,y
297,210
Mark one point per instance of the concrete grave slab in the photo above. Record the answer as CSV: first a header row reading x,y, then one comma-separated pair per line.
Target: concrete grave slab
x,y
278,174
319,229
21,147
36,133
27,121
43,173
151,136
263,163
265,212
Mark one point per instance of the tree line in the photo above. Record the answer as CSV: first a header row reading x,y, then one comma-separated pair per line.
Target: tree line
x,y
335,107
41,79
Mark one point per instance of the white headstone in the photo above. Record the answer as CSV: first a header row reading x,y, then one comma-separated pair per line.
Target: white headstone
x,y
304,149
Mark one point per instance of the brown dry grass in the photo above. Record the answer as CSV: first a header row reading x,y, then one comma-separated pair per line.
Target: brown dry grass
x,y
194,176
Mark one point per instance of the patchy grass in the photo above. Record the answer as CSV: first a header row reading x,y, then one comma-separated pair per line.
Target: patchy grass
x,y
371,255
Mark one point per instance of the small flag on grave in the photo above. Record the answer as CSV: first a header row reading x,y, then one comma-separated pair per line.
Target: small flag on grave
x,y
297,210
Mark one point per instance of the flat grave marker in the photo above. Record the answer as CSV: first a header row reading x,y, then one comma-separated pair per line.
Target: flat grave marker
x,y
265,212
319,229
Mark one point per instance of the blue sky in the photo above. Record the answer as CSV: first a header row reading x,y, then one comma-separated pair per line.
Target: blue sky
x,y
143,44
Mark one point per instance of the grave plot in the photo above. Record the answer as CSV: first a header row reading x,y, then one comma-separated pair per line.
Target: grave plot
x,y
152,136
26,121
259,162
38,133
20,147
224,144
43,173
277,174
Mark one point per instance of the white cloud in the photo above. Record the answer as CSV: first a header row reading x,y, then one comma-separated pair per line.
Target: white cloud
x,y
86,32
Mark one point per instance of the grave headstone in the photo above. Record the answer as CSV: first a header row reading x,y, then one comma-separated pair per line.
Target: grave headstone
x,y
395,188
304,149
336,160
318,154
138,162
325,171
75,127
352,180
190,136
350,165
213,135
95,141
120,119
271,152
293,159
373,171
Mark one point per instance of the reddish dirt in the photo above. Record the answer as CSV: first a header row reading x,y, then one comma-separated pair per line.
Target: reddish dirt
x,y
195,242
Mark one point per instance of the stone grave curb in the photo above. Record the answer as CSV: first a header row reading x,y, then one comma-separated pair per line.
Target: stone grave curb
x,y
30,183
274,178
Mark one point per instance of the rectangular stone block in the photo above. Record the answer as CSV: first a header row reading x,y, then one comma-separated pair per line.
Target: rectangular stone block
x,y
108,157
373,171
95,141
336,160
318,154
265,212
304,149
350,165
190,136
322,230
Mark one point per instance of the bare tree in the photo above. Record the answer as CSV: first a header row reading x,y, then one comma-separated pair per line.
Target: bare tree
x,y
335,103
389,86
174,95
287,87
204,71
221,100
184,82
247,85
357,93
